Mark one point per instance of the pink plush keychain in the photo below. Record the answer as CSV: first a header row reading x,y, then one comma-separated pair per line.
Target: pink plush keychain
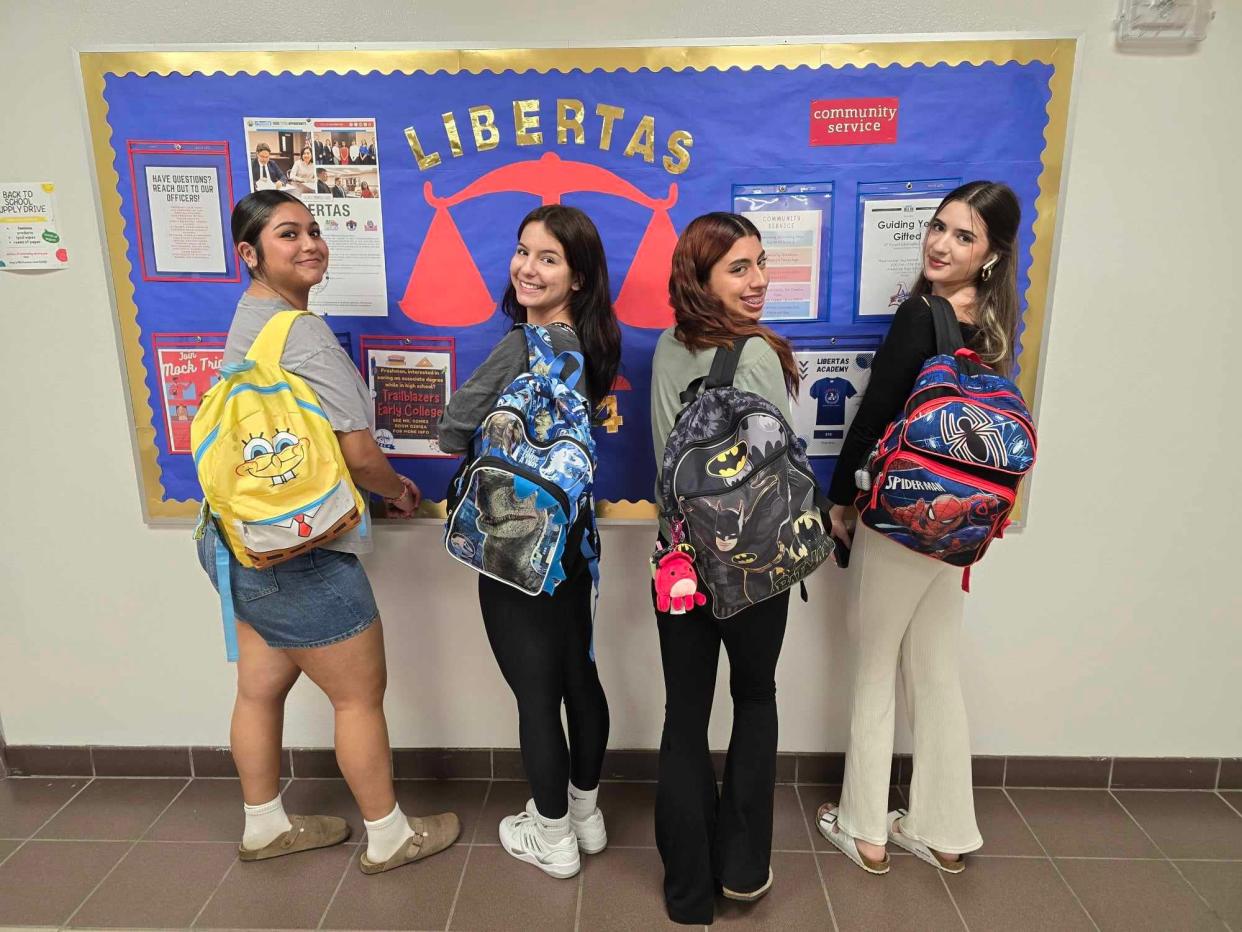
x,y
676,583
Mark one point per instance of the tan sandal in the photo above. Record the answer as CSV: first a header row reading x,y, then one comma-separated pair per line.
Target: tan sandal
x,y
306,833
432,834
826,822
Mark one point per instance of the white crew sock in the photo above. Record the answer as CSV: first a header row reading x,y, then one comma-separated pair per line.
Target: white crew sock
x,y
582,802
386,835
264,824
553,830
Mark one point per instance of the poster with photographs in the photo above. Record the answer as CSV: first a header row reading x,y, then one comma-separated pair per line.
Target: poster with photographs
x,y
333,166
411,382
829,393
189,364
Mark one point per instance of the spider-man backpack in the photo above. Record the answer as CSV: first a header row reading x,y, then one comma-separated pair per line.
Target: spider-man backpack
x,y
944,477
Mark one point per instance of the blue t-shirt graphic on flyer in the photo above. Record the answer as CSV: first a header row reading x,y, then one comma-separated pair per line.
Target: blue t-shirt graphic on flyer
x,y
831,393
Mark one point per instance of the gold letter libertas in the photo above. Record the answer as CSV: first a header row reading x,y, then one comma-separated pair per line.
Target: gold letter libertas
x,y
424,161
679,143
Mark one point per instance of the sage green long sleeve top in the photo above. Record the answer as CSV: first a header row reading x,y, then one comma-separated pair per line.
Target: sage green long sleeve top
x,y
674,367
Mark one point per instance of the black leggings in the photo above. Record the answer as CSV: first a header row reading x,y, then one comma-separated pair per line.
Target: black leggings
x,y
542,644
705,839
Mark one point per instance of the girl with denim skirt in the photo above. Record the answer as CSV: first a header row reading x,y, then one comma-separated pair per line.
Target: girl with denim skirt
x,y
315,613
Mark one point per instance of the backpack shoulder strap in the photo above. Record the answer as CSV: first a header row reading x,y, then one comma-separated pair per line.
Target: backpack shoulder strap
x,y
538,345
948,331
724,368
269,345
565,367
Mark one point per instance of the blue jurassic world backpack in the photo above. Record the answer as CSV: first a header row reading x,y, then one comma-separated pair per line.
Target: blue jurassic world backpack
x,y
512,510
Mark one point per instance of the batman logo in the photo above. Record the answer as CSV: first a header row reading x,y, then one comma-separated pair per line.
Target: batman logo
x,y
743,559
808,521
728,464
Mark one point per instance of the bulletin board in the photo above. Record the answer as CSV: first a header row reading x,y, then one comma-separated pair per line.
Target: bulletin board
x,y
419,165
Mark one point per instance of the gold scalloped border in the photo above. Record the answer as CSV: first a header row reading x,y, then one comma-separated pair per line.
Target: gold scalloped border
x,y
1060,53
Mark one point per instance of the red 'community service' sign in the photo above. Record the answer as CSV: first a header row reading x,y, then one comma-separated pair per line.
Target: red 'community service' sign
x,y
854,122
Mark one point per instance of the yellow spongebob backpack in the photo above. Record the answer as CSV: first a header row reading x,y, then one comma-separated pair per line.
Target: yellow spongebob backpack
x,y
272,472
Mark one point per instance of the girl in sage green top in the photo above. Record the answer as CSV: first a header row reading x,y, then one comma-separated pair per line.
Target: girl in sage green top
x,y
717,289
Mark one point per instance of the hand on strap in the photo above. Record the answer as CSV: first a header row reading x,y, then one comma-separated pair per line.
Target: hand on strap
x,y
676,583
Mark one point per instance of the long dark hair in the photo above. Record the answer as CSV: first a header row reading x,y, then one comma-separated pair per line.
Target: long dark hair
x,y
996,295
590,306
702,319
251,215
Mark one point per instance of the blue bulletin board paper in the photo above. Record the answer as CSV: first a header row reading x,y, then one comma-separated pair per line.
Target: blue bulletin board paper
x,y
642,139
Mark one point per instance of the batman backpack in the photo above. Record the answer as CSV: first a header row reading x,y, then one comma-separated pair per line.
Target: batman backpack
x,y
737,485
512,508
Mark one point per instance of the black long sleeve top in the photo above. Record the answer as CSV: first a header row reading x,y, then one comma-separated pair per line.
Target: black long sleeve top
x,y
910,342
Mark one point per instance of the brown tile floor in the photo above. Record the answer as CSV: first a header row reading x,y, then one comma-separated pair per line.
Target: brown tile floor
x,y
132,853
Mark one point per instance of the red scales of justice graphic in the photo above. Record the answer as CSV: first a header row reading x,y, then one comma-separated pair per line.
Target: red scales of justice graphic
x,y
445,288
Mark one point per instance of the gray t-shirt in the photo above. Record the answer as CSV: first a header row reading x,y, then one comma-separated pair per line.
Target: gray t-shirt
x,y
674,367
471,403
313,353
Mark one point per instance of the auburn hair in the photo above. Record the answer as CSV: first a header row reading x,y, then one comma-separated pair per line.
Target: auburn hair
x,y
703,321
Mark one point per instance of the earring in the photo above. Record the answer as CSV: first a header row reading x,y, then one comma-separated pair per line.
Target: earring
x,y
985,273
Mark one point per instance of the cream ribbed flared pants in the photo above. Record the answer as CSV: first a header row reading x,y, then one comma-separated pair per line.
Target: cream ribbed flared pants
x,y
904,614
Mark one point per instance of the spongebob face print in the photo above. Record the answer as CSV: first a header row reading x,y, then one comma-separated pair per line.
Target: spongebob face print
x,y
276,458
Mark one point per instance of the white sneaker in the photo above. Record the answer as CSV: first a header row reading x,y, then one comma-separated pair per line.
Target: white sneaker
x,y
525,837
590,832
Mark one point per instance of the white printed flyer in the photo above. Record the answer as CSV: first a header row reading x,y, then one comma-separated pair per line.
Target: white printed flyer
x,y
332,165
29,237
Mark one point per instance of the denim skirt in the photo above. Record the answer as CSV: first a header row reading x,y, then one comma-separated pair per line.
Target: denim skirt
x,y
313,600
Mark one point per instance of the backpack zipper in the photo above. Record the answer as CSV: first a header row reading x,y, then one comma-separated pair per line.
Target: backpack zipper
x,y
1007,495
521,416
529,474
763,464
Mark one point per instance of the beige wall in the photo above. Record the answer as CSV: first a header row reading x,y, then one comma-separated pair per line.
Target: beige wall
x,y
1111,625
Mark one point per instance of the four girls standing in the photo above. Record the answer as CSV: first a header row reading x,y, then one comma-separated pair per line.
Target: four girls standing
x,y
903,609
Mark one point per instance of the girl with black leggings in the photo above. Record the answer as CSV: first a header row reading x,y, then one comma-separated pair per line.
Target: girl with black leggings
x,y
558,279
713,841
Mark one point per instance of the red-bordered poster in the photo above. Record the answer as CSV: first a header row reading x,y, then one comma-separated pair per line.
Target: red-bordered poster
x,y
189,364
183,195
